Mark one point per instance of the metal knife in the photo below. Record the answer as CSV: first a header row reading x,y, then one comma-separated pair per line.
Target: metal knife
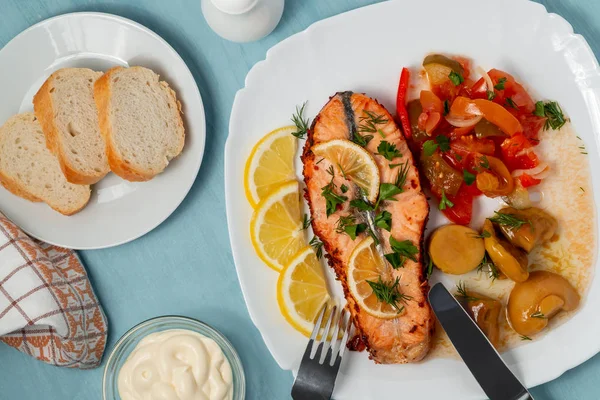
x,y
482,359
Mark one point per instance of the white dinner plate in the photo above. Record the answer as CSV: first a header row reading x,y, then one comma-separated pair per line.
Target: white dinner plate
x,y
118,211
364,50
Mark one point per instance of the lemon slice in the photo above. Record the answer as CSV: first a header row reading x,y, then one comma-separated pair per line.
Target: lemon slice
x,y
302,291
355,163
276,226
364,265
271,163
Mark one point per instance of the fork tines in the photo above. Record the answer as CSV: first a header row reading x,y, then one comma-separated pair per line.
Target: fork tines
x,y
320,364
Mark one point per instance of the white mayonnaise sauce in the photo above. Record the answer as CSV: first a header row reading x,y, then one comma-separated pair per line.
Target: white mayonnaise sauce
x,y
176,364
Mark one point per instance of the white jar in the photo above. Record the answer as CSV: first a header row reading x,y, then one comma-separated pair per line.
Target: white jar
x,y
242,20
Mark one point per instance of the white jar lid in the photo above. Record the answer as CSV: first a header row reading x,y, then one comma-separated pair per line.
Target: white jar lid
x,y
234,6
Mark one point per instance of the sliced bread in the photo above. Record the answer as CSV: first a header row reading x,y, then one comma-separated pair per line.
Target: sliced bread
x,y
140,120
65,107
30,170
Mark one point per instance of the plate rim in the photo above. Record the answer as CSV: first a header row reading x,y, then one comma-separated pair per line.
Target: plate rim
x,y
551,373
202,138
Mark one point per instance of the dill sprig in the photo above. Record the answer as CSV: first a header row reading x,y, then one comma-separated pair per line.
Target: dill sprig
x,y
402,175
523,337
388,292
461,291
552,111
317,246
509,220
368,122
300,122
484,234
492,270
306,222
343,222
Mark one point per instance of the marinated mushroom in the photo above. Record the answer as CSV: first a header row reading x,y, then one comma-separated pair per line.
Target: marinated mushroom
x,y
539,227
485,312
533,303
510,260
456,249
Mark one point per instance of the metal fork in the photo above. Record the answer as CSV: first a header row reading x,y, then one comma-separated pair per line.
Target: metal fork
x,y
318,369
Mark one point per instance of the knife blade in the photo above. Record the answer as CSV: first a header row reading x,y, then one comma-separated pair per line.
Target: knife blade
x,y
482,359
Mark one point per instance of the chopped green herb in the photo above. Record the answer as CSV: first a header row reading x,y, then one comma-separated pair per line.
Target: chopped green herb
x,y
300,122
483,235
319,161
511,103
491,95
355,230
342,171
429,147
388,292
401,177
487,264
523,337
394,165
381,133
500,84
368,122
361,205
484,162
384,220
538,314
512,221
461,291
584,152
332,199
402,250
582,189
446,107
388,150
468,177
456,78
458,157
344,188
306,222
444,202
343,222
362,140
317,246
539,109
554,114
443,142
387,191
429,269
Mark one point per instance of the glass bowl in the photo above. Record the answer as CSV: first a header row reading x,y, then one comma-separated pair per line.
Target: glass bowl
x,y
130,339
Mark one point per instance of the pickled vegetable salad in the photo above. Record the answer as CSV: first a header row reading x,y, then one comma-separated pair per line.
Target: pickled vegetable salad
x,y
474,137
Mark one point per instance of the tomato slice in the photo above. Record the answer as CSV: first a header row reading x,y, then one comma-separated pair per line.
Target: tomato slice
x,y
512,89
528,181
515,154
466,145
532,125
462,211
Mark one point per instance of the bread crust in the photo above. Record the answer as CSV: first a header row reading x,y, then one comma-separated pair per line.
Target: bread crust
x,y
44,111
18,189
118,165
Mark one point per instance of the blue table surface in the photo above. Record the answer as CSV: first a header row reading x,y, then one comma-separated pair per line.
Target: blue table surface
x,y
185,265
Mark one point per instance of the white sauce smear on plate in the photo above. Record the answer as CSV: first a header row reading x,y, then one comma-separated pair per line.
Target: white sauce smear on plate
x,y
176,364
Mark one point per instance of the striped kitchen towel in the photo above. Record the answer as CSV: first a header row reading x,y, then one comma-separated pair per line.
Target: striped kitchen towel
x,y
48,308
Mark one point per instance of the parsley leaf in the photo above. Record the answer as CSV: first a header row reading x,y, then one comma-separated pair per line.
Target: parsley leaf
x,y
443,142
511,103
468,177
456,78
344,188
361,205
384,220
355,230
362,140
429,147
387,191
332,199
444,202
388,150
500,84
402,250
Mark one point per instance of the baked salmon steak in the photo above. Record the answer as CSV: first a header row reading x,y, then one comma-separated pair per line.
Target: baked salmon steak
x,y
369,210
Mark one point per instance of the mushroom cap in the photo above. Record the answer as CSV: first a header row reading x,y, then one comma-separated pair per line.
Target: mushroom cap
x,y
533,303
511,261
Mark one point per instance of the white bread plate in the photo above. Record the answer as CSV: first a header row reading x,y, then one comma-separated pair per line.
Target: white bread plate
x,y
119,211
